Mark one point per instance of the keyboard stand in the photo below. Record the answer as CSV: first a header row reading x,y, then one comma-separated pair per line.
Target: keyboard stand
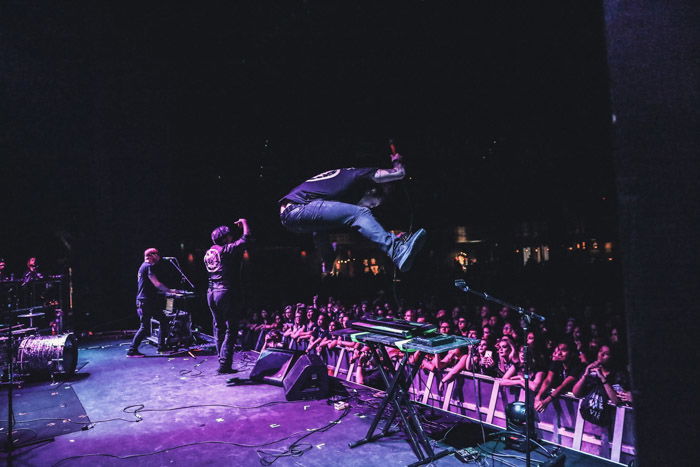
x,y
398,401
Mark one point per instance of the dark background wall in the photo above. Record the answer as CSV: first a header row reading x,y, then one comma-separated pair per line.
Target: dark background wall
x,y
653,58
129,126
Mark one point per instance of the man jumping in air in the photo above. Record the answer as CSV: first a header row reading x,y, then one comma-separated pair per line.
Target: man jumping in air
x,y
343,198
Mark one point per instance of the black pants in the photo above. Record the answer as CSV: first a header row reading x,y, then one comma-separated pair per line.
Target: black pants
x,y
146,310
225,316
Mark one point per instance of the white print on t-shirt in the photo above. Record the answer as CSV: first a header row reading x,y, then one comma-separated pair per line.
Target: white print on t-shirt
x,y
212,260
324,175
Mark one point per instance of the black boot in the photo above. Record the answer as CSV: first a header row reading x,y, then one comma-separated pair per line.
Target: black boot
x,y
225,369
132,352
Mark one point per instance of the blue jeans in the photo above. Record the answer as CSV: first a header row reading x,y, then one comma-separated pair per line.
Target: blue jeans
x,y
320,217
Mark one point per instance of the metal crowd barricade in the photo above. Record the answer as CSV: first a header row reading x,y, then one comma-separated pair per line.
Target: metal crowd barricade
x,y
481,397
561,422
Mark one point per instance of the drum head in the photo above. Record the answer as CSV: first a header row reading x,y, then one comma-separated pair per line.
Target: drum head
x,y
48,354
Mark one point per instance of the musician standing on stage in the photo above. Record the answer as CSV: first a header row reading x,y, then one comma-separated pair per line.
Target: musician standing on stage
x,y
222,261
343,198
149,302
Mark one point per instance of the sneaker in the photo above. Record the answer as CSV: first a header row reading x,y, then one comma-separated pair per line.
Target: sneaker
x,y
134,353
407,248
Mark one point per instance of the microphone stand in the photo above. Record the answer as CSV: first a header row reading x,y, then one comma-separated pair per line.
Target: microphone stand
x,y
10,383
183,277
527,317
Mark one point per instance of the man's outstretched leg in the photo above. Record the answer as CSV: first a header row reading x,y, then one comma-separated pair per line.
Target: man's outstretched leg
x,y
319,216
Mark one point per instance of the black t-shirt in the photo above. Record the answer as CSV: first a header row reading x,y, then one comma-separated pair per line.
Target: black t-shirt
x,y
320,332
618,379
345,185
222,262
561,373
594,406
145,288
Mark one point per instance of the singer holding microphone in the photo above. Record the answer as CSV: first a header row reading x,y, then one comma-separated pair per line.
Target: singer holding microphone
x,y
222,261
149,302
343,198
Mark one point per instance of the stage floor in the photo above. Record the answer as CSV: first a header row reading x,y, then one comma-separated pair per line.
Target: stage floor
x,y
176,411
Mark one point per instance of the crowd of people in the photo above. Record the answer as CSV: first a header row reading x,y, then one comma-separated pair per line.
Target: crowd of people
x,y
587,358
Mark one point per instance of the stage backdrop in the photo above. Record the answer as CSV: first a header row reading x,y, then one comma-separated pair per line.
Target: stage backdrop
x,y
653,58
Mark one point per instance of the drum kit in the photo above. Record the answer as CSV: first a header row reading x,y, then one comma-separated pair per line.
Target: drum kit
x,y
29,354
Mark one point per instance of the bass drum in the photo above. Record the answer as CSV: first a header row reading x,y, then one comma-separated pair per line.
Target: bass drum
x,y
48,354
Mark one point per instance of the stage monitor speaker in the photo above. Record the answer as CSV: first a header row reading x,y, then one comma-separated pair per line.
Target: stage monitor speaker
x,y
273,365
308,379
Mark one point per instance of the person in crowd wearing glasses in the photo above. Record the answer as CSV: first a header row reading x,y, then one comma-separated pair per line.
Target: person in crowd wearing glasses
x,y
149,302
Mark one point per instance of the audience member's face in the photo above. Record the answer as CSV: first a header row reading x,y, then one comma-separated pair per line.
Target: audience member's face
x,y
604,355
504,313
455,312
309,313
484,312
445,328
493,320
472,334
483,345
441,314
333,326
420,319
614,335
530,338
288,313
561,353
503,349
507,329
345,320
321,321
409,315
263,314
462,324
577,333
2,265
570,326
594,330
486,332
